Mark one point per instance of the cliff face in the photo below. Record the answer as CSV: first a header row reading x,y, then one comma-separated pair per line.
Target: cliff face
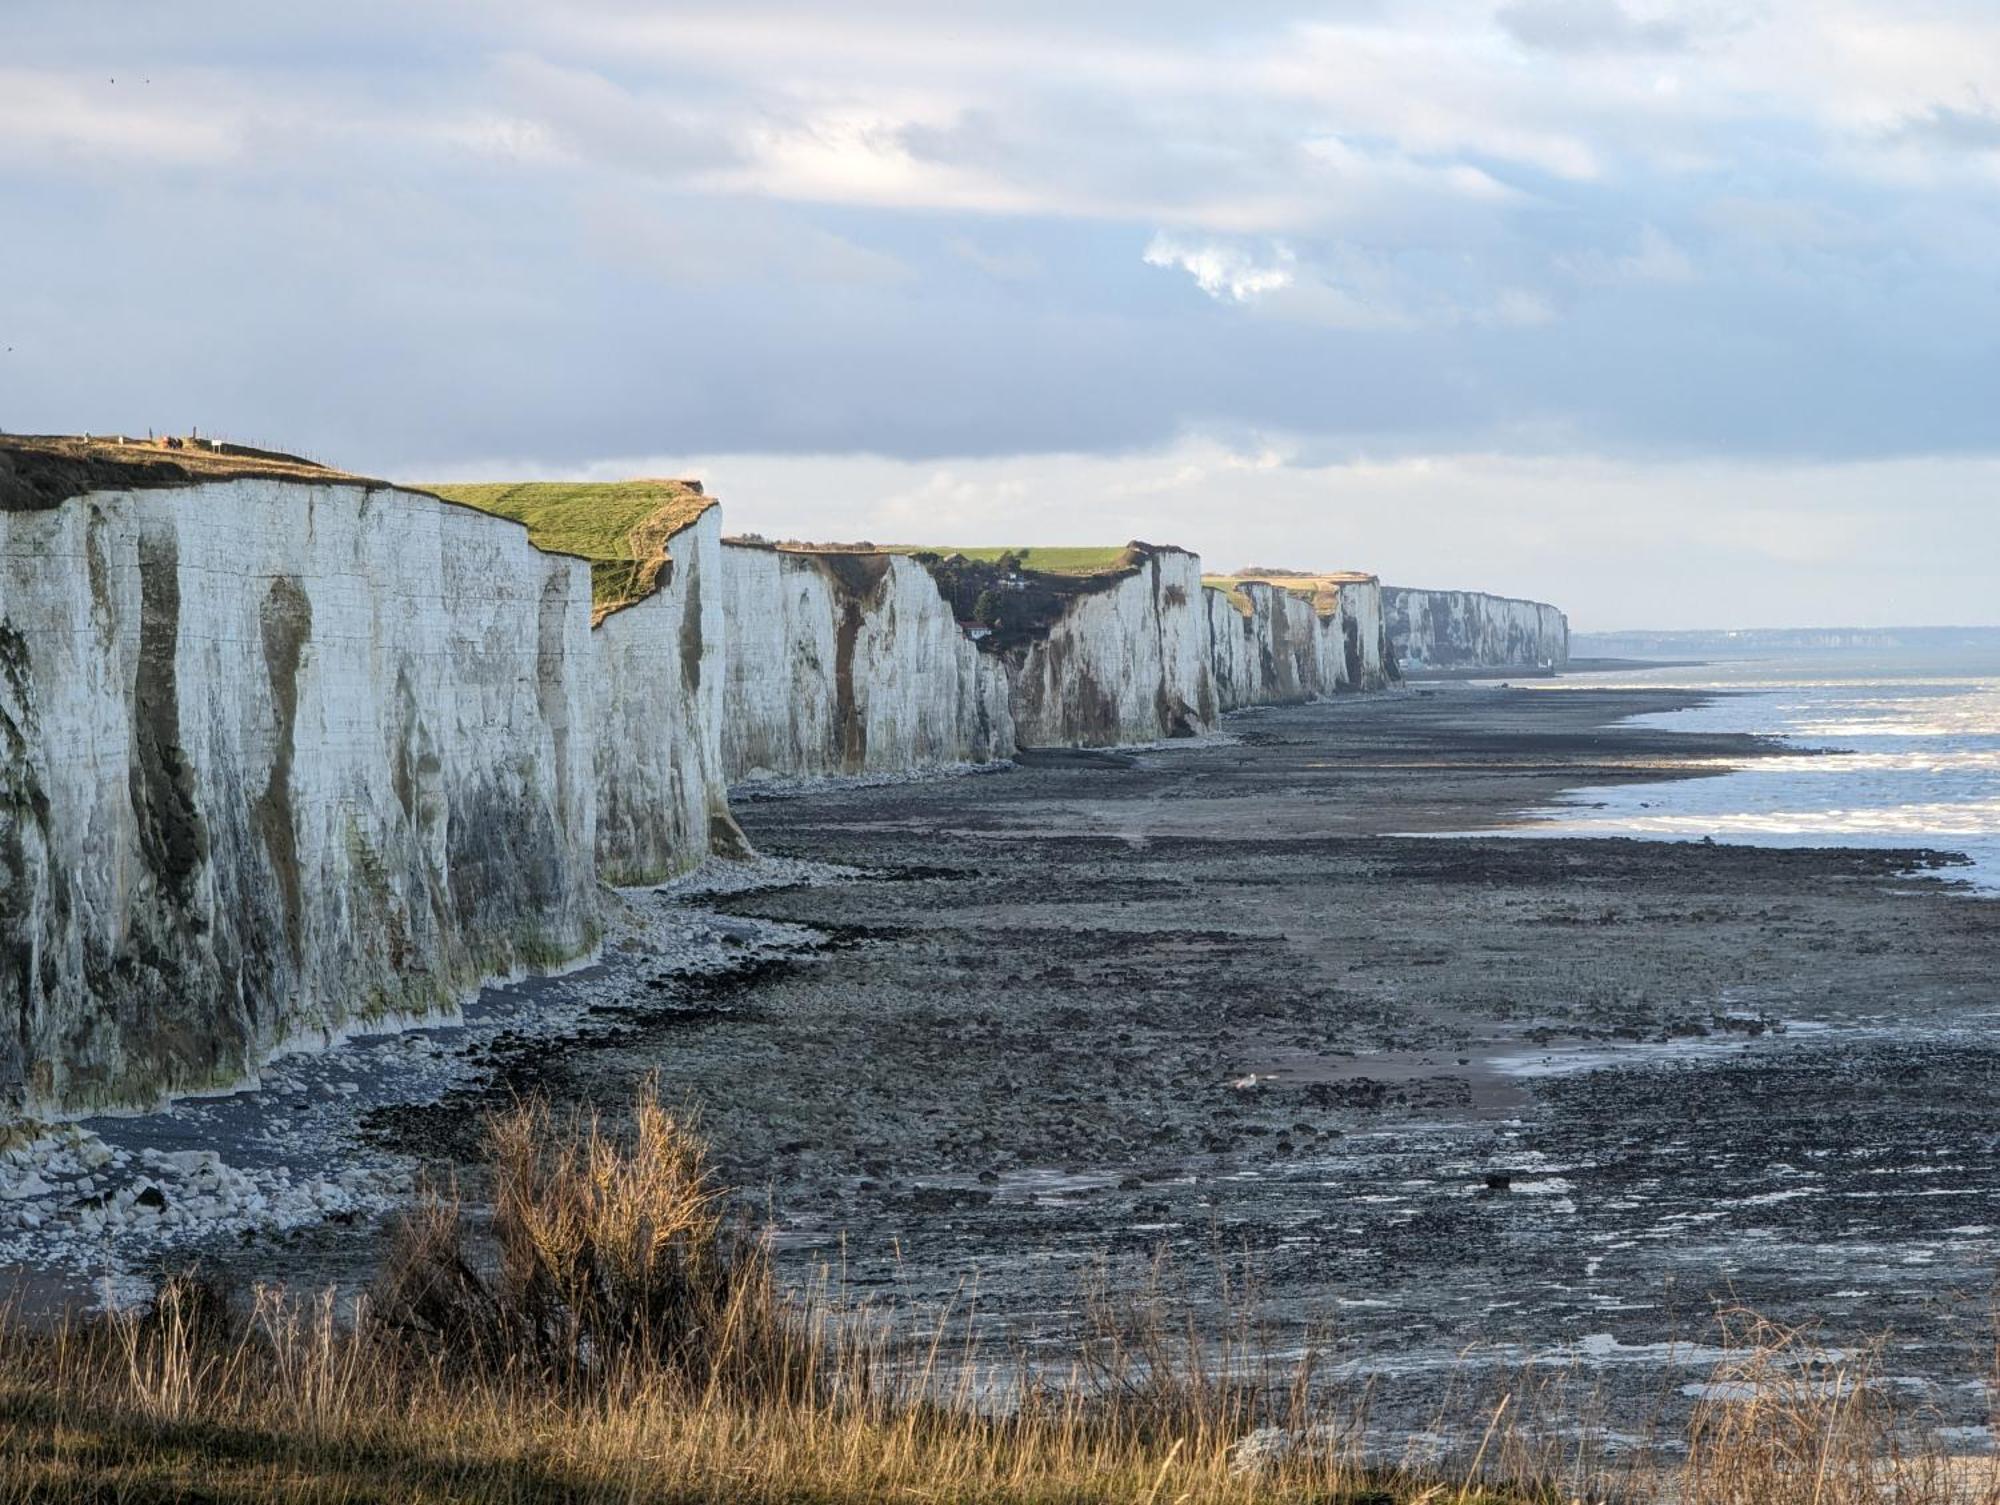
x,y
1126,661
1370,653
659,713
1273,643
847,664
279,758
1466,630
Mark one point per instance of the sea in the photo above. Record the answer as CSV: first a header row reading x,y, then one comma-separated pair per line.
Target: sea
x,y
1889,747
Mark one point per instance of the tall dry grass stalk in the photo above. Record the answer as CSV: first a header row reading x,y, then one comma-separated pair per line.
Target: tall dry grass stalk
x,y
614,1334
617,1265
1788,1418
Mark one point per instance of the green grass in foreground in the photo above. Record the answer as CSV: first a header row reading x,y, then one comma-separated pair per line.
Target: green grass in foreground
x,y
1080,560
621,527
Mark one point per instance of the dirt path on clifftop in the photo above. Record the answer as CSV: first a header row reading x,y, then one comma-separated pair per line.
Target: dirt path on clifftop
x,y
1213,1003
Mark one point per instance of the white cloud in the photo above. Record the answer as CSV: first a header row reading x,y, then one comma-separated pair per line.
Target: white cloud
x,y
55,121
1519,308
1000,265
1656,259
1590,26
730,242
1224,272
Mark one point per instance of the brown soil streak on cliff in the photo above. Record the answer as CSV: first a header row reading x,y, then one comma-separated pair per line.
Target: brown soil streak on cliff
x,y
856,579
691,638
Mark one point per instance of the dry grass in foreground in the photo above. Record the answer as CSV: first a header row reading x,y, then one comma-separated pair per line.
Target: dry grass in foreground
x,y
616,1335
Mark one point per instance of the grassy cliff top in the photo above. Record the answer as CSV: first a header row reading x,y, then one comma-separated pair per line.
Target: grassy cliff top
x,y
1080,560
1321,588
621,527
41,471
1077,562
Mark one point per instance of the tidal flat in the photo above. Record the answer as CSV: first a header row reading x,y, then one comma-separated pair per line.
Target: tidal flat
x,y
1430,1100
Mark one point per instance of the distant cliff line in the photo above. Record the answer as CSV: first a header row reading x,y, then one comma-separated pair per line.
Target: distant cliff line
x,y
290,752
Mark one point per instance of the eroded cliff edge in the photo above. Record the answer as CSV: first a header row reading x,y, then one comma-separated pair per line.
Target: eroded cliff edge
x,y
281,756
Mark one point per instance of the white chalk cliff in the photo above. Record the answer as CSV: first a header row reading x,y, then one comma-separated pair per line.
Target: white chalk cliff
x,y
850,663
660,709
1127,660
276,759
1275,640
1443,630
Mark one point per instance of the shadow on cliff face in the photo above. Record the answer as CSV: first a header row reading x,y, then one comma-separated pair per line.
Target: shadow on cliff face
x,y
857,580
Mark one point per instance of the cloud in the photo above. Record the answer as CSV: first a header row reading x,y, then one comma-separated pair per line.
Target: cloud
x,y
1519,308
648,131
57,120
1974,129
1226,273
1001,265
1656,259
729,242
1588,26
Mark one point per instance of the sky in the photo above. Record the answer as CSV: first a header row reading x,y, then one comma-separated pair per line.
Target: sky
x,y
1676,313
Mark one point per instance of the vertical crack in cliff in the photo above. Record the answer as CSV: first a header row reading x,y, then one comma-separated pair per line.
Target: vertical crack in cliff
x,y
285,624
172,837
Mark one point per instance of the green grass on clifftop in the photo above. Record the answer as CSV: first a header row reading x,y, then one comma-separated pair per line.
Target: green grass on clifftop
x,y
621,527
1083,560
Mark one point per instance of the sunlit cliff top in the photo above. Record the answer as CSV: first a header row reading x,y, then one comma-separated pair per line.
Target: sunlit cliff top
x,y
621,527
